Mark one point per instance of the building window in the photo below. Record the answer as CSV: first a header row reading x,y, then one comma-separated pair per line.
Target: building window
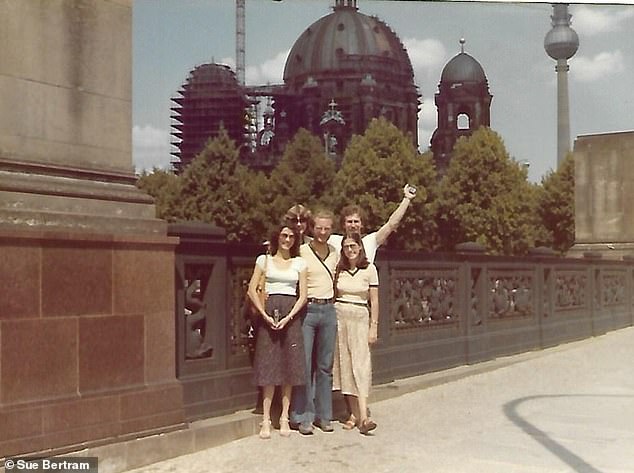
x,y
463,121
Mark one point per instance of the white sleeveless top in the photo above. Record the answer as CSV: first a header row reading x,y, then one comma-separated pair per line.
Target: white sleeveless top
x,y
281,281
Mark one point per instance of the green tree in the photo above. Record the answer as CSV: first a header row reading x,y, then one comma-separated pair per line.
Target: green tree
x,y
216,188
541,235
485,197
304,175
556,206
163,186
375,168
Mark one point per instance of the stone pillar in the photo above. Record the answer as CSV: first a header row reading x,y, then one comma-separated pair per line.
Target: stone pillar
x,y
604,190
87,338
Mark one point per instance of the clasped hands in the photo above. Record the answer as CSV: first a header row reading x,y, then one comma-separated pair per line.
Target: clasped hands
x,y
280,324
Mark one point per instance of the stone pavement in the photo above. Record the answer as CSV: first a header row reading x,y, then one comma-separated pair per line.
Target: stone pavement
x,y
564,409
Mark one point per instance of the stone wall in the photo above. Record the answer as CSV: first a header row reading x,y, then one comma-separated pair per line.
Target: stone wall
x,y
604,188
65,82
86,270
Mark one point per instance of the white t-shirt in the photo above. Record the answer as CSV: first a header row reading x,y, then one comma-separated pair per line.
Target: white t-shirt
x,y
369,244
281,281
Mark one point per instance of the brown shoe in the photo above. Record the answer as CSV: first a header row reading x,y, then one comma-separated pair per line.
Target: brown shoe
x,y
367,426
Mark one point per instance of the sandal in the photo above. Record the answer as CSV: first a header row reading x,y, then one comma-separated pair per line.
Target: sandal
x,y
265,429
285,428
367,426
351,423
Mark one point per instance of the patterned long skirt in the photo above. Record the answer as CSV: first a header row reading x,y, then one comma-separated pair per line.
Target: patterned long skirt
x,y
279,354
352,369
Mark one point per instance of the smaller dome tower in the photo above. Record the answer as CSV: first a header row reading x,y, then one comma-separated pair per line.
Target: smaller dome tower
x,y
210,99
463,102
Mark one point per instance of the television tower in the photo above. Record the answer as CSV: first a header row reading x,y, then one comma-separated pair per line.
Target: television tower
x,y
241,32
561,43
240,40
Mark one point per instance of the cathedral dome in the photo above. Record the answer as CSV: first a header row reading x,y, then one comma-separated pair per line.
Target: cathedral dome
x,y
210,99
346,40
463,68
210,75
352,64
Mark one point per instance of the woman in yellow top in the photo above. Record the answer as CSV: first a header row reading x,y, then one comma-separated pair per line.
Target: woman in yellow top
x,y
357,284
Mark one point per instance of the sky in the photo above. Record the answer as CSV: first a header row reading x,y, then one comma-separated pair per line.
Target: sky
x,y
171,37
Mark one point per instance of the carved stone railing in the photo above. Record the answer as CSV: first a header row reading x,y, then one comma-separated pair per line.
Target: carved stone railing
x,y
418,300
436,311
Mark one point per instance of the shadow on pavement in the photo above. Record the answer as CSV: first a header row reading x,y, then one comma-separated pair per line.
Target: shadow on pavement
x,y
573,460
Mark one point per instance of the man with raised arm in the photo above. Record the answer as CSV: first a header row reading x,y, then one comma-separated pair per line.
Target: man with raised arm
x,y
352,222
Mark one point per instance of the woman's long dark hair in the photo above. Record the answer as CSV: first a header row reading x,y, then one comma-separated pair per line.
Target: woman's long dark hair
x,y
274,241
344,263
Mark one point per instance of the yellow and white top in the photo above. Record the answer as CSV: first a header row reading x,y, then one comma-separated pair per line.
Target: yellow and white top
x,y
353,285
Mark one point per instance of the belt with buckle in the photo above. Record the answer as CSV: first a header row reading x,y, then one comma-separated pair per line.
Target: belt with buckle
x,y
314,300
360,304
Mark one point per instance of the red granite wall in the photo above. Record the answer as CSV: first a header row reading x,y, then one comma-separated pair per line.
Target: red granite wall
x,y
86,339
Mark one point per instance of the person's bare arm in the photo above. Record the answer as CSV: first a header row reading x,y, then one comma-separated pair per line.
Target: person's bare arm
x,y
392,223
374,315
253,295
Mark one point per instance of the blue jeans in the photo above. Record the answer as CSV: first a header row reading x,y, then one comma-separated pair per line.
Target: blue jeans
x,y
314,400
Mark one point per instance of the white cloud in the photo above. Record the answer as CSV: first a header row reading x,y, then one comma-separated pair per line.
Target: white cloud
x,y
150,147
269,72
424,137
593,20
228,61
428,114
427,122
588,69
427,57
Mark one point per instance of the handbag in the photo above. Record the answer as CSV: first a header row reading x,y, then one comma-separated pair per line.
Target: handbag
x,y
251,311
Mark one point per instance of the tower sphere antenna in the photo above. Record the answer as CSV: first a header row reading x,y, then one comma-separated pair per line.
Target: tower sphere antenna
x,y
561,42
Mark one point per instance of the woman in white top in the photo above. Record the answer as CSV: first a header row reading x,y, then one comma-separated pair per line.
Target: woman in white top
x,y
279,353
357,284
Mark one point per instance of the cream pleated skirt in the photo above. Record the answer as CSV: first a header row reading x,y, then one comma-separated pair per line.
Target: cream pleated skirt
x,y
352,367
